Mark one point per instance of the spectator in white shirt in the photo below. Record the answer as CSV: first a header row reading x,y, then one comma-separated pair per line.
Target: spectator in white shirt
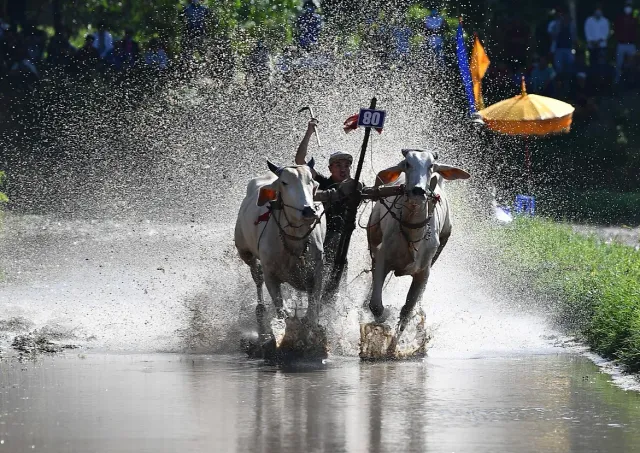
x,y
596,32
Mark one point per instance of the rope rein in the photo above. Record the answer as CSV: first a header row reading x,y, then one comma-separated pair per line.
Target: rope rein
x,y
411,226
431,198
374,224
278,205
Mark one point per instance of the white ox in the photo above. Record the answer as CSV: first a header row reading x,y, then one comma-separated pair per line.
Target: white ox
x,y
287,245
406,234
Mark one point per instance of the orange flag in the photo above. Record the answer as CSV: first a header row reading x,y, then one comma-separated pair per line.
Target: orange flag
x,y
479,64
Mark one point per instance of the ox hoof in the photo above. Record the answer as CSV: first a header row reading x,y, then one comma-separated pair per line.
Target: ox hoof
x,y
382,342
381,314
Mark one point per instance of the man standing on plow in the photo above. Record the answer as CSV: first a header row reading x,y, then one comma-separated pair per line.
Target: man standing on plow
x,y
340,188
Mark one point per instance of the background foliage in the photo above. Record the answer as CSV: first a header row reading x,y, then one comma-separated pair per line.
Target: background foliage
x,y
596,167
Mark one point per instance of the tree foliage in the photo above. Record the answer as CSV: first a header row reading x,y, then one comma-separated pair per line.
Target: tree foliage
x,y
272,19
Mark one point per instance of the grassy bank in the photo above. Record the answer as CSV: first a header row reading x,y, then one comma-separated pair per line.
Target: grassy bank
x,y
596,287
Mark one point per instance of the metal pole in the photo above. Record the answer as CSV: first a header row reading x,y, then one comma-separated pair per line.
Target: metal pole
x,y
527,161
349,223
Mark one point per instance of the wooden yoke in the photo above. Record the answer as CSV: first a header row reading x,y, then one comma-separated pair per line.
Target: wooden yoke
x,y
367,193
375,193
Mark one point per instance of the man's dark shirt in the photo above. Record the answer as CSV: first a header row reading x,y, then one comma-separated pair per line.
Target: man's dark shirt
x,y
335,212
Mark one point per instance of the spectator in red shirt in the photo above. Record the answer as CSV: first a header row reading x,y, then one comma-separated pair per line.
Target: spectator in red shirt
x,y
626,34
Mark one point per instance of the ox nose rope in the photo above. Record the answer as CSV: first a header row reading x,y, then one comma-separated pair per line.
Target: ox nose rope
x,y
409,225
432,199
279,205
296,209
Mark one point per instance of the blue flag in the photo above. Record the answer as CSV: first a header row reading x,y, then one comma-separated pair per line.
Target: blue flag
x,y
465,72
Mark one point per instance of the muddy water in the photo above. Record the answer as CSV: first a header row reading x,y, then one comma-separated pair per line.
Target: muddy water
x,y
167,403
135,295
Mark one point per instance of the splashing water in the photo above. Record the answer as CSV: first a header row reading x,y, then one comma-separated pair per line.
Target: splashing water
x,y
121,238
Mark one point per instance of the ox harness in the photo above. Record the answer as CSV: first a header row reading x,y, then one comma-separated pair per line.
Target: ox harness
x,y
432,200
277,205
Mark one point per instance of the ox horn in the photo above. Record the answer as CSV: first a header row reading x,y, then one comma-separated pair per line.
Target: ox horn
x,y
274,168
311,163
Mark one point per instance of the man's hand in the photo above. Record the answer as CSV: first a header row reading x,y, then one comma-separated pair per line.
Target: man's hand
x,y
311,126
349,187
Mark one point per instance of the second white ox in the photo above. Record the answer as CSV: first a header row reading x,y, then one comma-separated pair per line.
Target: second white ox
x,y
286,245
406,234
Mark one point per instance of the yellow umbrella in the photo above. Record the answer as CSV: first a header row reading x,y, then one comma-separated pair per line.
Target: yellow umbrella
x,y
528,114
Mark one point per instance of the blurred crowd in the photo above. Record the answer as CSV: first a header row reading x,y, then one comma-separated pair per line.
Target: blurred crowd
x,y
571,61
27,53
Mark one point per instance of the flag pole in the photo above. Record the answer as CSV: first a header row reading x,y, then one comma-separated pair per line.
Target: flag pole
x,y
463,65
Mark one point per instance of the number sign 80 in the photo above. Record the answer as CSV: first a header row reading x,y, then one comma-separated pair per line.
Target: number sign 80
x,y
371,118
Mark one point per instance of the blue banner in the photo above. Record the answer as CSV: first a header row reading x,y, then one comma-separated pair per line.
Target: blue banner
x,y
465,72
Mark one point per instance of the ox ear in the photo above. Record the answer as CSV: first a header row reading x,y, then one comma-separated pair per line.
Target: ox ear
x,y
449,172
267,194
311,163
388,176
274,168
435,155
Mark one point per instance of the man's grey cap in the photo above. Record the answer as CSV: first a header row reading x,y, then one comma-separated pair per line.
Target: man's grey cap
x,y
339,155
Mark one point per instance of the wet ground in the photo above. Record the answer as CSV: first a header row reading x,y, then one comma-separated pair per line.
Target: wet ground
x,y
195,403
134,295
